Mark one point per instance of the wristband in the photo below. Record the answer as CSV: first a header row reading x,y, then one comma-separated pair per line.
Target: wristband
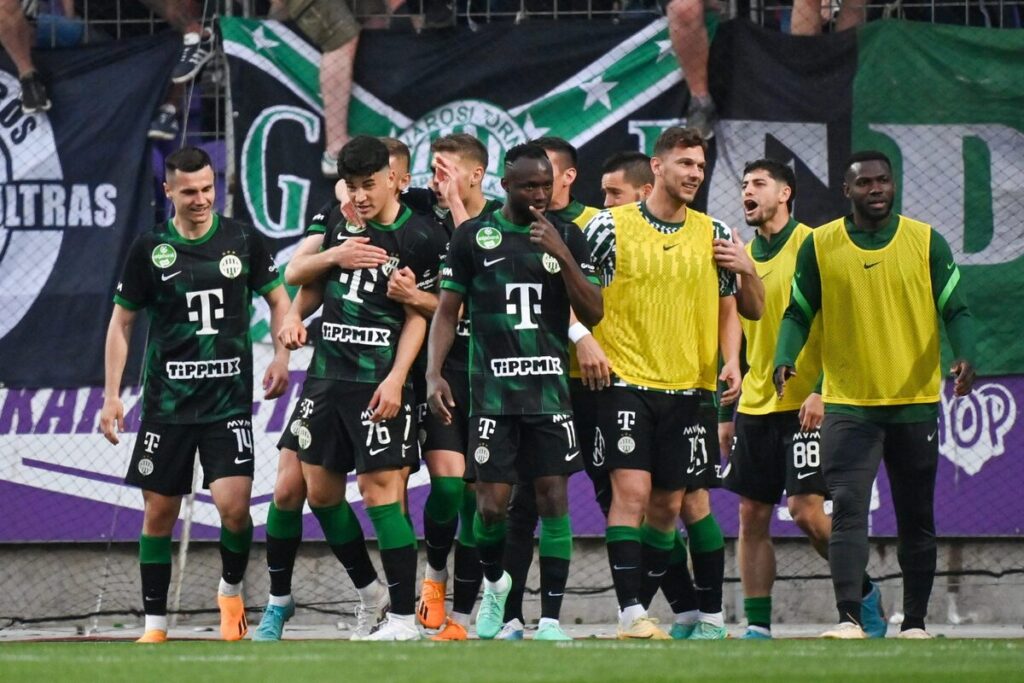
x,y
577,331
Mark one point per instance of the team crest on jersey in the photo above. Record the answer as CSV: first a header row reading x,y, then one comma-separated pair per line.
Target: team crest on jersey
x,y
627,445
164,255
482,454
488,237
550,264
145,467
230,266
354,228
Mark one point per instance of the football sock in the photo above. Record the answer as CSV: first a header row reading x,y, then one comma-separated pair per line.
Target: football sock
x,y
677,584
518,555
490,543
655,549
707,548
441,519
155,569
910,622
468,572
625,557
397,544
555,553
345,537
284,534
758,611
234,553
849,611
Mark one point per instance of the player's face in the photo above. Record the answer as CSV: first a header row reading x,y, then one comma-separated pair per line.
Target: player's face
x,y
564,176
470,176
763,197
528,183
618,191
870,188
681,171
371,194
192,194
400,167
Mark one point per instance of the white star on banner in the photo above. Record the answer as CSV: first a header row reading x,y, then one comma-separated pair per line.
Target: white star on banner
x,y
262,42
532,130
664,49
597,91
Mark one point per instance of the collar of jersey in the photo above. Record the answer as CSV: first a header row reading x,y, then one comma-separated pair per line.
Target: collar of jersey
x,y
403,216
669,228
178,237
508,226
764,248
872,239
572,211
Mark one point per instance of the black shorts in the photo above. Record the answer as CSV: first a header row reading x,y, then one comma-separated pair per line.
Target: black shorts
x,y
584,414
437,436
290,436
335,431
704,469
510,449
164,454
771,455
648,430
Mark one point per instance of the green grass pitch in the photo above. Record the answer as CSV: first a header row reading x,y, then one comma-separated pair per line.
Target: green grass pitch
x,y
591,661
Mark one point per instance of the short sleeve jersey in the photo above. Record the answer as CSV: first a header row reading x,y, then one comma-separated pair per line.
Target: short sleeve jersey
x,y
361,326
518,311
197,294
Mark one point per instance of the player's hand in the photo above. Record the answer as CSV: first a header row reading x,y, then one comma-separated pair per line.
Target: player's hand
x,y
112,419
812,412
731,255
439,398
733,379
386,400
357,253
544,235
348,207
448,178
595,368
963,375
292,333
275,379
726,434
402,286
780,376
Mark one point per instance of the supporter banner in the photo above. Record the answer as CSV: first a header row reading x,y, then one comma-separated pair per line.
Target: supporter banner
x,y
61,481
74,191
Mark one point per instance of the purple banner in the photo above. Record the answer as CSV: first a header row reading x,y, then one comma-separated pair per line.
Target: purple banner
x,y
61,481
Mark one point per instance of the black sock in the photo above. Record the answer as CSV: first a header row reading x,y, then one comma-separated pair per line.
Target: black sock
x,y
400,570
468,575
849,611
438,537
520,526
624,558
156,579
281,554
708,575
356,560
678,588
865,586
910,622
655,574
554,573
490,560
233,565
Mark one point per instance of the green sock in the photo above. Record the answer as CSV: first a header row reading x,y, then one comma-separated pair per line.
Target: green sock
x,y
237,541
556,537
662,540
154,549
467,512
487,534
444,499
705,535
392,526
621,533
758,611
284,523
339,523
678,553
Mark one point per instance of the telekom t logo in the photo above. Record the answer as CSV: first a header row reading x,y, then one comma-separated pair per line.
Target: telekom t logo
x,y
523,303
207,313
486,428
151,441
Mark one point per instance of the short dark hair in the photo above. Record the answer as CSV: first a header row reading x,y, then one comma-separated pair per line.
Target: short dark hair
x,y
187,160
463,144
527,150
779,172
677,136
635,167
362,156
551,143
866,155
397,148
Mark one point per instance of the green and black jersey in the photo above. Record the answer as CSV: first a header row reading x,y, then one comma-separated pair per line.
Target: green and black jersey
x,y
197,293
518,310
360,326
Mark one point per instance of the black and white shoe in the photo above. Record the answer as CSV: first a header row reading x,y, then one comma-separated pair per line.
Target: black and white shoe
x,y
34,97
164,125
196,51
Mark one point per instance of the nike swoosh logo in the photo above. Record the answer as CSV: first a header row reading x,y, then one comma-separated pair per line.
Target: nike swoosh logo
x,y
666,247
555,595
166,277
767,274
932,435
492,261
242,462
656,575
375,451
571,456
869,266
621,569
699,472
392,585
951,266
804,475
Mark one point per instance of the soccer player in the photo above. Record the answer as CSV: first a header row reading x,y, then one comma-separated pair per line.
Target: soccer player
x,y
518,274
879,282
284,518
652,255
460,161
626,177
777,445
355,405
194,275
522,514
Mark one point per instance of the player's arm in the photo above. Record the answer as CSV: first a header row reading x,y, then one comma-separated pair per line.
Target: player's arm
x,y
439,343
275,379
387,398
595,368
730,339
292,333
804,303
730,254
311,260
583,290
402,288
119,334
448,184
952,307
